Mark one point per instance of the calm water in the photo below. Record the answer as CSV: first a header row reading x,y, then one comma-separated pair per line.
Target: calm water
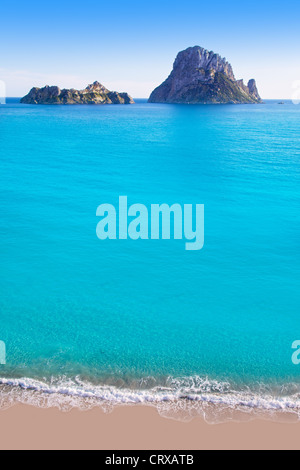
x,y
133,315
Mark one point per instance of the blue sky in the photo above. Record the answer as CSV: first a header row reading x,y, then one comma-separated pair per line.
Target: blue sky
x,y
130,45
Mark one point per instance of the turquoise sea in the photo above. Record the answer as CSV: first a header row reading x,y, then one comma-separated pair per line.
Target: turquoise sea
x,y
89,322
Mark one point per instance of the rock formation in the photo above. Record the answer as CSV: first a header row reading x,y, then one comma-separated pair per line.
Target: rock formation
x,y
200,76
92,94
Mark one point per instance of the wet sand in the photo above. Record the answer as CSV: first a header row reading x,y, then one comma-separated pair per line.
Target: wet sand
x,y
135,428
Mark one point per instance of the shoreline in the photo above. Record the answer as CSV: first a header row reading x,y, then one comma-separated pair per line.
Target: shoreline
x,y
135,428
214,405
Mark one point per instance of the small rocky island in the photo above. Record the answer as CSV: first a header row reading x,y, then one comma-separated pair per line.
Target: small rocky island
x,y
92,94
200,76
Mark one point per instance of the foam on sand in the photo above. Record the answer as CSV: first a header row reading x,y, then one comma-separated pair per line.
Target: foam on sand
x,y
181,398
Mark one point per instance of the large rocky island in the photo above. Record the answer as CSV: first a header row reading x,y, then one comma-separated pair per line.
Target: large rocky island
x,y
200,76
92,94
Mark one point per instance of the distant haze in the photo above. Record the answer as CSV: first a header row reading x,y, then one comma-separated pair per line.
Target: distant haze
x,y
130,46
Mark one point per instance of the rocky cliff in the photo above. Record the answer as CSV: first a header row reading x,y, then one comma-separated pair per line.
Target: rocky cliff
x,y
92,94
200,76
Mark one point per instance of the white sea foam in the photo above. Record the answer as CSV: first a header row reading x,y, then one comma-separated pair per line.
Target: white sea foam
x,y
181,398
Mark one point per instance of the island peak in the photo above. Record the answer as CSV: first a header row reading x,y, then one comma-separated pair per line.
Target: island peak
x,y
202,76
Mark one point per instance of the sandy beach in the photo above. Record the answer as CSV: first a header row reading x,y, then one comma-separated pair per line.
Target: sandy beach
x,y
135,428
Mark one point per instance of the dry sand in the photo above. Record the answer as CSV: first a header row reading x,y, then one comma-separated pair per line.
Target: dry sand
x,y
135,428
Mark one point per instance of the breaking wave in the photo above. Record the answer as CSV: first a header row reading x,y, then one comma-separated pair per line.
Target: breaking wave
x,y
179,398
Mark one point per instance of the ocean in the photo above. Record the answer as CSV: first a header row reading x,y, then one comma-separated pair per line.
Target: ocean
x,y
89,322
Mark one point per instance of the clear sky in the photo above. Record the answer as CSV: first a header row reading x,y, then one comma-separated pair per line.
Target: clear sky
x,y
131,45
